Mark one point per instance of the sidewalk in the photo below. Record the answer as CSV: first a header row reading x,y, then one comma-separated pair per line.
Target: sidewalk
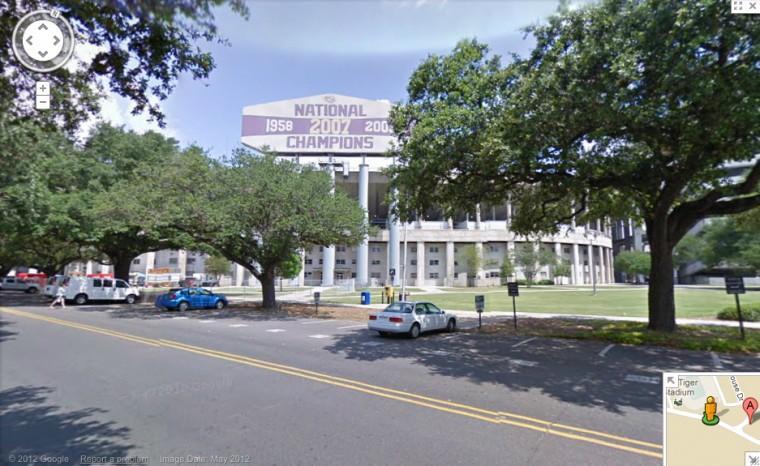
x,y
491,315
542,315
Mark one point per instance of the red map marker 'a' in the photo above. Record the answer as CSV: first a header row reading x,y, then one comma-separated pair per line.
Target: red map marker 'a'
x,y
750,406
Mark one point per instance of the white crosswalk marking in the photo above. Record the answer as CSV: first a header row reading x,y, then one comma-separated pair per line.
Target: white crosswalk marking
x,y
207,321
319,336
351,326
603,352
523,342
238,325
183,317
275,330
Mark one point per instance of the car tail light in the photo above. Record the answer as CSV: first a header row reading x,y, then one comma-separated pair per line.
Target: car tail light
x,y
372,317
172,295
396,319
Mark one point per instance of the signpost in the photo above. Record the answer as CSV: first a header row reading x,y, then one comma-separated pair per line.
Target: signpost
x,y
317,294
513,291
480,305
735,286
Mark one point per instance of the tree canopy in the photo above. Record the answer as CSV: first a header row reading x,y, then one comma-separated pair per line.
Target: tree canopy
x,y
623,108
139,49
258,211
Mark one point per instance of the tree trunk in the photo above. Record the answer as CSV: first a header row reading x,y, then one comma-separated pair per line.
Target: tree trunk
x,y
662,308
121,265
268,289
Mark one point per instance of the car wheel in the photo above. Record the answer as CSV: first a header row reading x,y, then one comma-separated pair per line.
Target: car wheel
x,y
451,326
31,290
382,334
414,332
220,304
80,299
182,306
131,299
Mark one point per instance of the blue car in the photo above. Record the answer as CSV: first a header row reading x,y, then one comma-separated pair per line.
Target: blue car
x,y
183,299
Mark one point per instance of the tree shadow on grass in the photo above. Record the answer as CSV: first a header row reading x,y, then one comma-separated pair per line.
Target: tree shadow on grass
x,y
31,425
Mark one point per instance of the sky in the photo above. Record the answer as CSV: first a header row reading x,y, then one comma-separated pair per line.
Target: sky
x,y
296,48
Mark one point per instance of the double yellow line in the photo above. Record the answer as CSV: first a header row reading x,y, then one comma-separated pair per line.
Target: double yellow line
x,y
494,417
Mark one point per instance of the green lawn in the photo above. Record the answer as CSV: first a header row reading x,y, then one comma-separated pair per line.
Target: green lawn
x,y
696,303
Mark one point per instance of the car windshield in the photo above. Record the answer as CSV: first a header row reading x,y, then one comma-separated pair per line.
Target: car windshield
x,y
403,308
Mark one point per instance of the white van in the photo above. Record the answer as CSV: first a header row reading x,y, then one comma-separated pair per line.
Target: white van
x,y
81,290
51,288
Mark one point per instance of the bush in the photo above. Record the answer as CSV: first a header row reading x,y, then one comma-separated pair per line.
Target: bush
x,y
544,282
751,313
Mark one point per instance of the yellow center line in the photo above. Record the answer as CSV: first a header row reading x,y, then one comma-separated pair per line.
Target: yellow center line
x,y
494,417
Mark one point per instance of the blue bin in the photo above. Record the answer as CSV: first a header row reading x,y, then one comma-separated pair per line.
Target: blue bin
x,y
366,297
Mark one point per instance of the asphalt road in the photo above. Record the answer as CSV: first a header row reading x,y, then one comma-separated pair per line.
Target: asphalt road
x,y
103,383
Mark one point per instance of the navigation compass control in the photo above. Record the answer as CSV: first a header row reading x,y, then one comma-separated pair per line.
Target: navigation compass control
x,y
43,41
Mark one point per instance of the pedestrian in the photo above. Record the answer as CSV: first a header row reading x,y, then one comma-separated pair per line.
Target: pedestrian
x,y
60,298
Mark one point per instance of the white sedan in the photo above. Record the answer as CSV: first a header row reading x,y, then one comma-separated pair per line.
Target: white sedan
x,y
412,318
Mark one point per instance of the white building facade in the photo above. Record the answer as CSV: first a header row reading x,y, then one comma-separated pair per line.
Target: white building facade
x,y
348,137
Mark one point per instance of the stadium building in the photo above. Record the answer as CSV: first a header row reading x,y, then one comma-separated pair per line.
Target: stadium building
x,y
348,137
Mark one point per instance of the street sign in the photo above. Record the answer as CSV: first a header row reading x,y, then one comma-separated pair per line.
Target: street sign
x,y
735,285
480,302
392,272
513,291
317,294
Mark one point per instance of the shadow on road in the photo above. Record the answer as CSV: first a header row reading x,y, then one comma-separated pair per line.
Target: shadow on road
x,y
570,371
5,333
31,425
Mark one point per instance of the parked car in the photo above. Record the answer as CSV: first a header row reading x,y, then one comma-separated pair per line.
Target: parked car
x,y
183,299
412,317
209,283
84,289
18,284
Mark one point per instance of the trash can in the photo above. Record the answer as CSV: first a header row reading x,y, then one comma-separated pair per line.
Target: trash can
x,y
366,297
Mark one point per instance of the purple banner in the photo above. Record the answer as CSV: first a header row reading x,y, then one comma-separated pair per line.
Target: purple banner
x,y
254,125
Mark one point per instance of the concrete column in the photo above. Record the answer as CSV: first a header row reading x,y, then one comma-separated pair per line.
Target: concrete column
x,y
182,263
88,268
602,265
450,223
449,281
421,263
577,277
239,274
302,273
362,251
150,261
591,265
393,247
328,252
558,253
610,266
477,218
509,212
479,252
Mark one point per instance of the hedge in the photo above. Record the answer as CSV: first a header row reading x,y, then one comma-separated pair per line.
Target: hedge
x,y
751,313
